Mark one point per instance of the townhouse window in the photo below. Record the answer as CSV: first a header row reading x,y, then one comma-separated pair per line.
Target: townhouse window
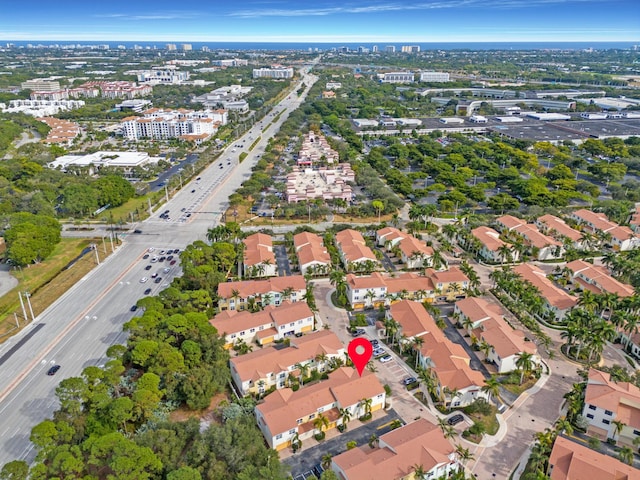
x,y
592,407
636,432
233,335
279,436
321,409
605,421
252,330
292,324
282,375
299,421
608,412
261,327
356,297
379,395
356,291
299,322
312,416
589,416
292,431
282,327
242,334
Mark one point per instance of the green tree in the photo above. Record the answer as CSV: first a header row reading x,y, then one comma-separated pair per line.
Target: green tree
x,y
15,470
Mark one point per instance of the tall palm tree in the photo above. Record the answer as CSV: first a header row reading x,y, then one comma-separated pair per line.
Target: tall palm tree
x,y
326,461
524,362
417,344
345,416
464,455
619,426
418,472
492,387
365,404
320,423
626,455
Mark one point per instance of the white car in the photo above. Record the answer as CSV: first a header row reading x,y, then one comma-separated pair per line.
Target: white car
x,y
167,270
386,358
144,280
151,249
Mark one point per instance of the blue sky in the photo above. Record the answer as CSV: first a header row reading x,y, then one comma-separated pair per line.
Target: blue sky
x,y
371,21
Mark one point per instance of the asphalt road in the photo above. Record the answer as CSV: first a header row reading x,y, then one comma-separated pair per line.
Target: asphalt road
x,y
85,321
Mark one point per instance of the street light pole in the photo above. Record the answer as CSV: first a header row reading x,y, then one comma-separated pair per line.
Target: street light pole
x,y
24,310
28,295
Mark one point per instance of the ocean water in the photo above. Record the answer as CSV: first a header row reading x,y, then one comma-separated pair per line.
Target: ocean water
x,y
352,46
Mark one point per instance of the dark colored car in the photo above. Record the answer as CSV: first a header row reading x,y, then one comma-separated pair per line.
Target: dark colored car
x,y
146,255
134,308
455,419
170,257
137,231
173,262
193,191
162,259
148,267
158,280
147,291
52,371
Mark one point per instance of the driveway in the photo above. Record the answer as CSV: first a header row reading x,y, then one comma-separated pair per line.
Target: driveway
x,y
284,269
7,281
311,456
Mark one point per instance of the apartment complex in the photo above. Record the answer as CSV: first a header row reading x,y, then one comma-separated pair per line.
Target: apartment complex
x,y
285,414
258,257
397,454
312,255
607,402
434,77
485,321
560,230
92,162
94,89
275,72
326,183
556,300
258,371
241,295
620,238
316,149
264,326
167,75
542,246
41,85
397,77
159,124
41,108
62,132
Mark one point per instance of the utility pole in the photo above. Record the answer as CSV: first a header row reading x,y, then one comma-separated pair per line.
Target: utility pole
x,y
24,311
95,250
15,317
104,245
28,295
111,242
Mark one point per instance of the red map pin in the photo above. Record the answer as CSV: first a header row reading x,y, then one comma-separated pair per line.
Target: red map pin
x,y
360,351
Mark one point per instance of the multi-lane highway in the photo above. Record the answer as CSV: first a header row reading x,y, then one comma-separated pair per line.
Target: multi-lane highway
x,y
77,329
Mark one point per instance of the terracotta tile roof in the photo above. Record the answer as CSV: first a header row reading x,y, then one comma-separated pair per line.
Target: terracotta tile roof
x,y
357,252
313,253
418,443
306,238
478,308
505,340
349,236
412,317
284,407
254,288
232,321
453,275
411,282
375,280
551,294
488,237
599,278
573,461
558,225
599,220
622,398
408,245
510,222
274,360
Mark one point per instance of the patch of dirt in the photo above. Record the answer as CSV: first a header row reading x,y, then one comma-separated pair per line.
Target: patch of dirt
x,y
208,414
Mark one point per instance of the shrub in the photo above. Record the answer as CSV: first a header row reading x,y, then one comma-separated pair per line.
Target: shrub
x,y
319,436
387,390
366,417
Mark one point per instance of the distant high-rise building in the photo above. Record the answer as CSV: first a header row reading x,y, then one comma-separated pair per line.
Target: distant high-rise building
x,y
363,50
206,49
121,47
41,85
390,49
410,48
187,47
374,49
273,72
171,46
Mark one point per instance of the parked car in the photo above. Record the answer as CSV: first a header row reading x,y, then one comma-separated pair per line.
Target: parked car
x,y
173,262
148,267
145,256
52,371
386,358
147,291
144,280
158,280
455,419
409,380
155,275
133,308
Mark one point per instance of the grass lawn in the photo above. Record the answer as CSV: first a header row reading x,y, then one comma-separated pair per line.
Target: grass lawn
x,y
518,389
487,417
47,281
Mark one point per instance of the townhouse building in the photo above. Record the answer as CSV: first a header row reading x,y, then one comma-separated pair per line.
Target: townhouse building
x,y
315,149
265,326
570,460
258,371
542,246
258,257
492,248
397,453
557,301
412,320
607,402
456,384
485,322
285,414
414,253
586,276
312,255
272,291
620,238
353,250
560,230
448,284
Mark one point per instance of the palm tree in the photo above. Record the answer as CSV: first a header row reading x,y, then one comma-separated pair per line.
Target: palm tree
x,y
563,425
588,300
320,423
626,455
619,426
464,455
492,387
505,253
286,293
296,443
524,362
345,416
379,206
365,404
374,441
418,472
321,361
417,344
235,294
326,461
